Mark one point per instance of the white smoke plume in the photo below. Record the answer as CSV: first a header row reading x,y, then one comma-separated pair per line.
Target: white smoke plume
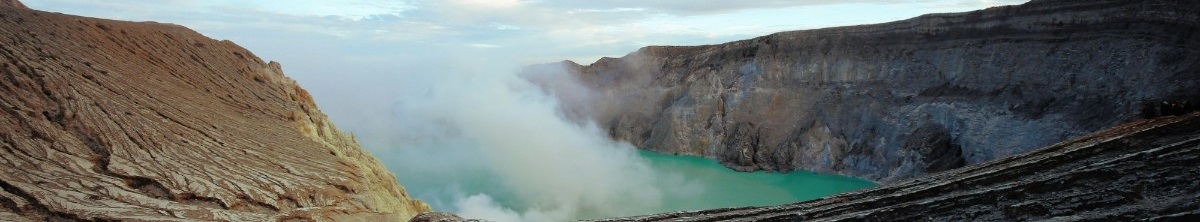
x,y
484,121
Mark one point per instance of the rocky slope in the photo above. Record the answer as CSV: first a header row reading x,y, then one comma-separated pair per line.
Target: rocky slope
x,y
114,120
12,3
1144,170
902,99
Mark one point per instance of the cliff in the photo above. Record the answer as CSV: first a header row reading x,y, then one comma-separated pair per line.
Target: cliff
x,y
899,100
114,120
1139,171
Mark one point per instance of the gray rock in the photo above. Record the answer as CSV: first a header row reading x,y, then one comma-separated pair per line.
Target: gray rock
x,y
933,143
440,217
853,100
1143,170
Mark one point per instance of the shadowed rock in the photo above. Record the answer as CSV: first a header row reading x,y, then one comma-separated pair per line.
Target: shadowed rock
x,y
854,100
1144,170
933,144
113,120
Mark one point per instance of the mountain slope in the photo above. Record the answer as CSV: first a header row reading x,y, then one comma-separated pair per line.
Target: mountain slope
x,y
114,120
899,100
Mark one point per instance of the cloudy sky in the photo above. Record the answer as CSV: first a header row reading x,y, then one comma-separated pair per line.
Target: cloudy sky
x,y
535,30
344,50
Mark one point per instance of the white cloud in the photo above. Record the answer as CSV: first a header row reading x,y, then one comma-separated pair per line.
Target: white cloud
x,y
541,29
980,3
506,27
348,9
573,11
487,4
703,7
483,46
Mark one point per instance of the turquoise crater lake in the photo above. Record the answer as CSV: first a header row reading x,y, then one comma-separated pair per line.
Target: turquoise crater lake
x,y
441,184
728,188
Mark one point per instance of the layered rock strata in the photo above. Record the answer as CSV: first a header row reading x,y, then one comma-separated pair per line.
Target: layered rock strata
x,y
898,100
114,120
1144,170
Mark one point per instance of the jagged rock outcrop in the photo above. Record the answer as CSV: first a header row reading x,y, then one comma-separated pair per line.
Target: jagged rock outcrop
x,y
114,120
902,99
440,217
1143,170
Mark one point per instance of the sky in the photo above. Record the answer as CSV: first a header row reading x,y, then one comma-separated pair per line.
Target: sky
x,y
535,30
334,47
429,86
348,53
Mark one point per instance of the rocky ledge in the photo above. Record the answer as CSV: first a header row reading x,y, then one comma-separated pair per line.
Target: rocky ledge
x,y
899,100
114,120
1144,170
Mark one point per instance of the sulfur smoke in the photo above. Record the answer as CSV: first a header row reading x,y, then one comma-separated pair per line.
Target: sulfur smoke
x,y
483,142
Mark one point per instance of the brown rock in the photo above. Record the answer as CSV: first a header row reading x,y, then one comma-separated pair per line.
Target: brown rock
x,y
103,119
12,3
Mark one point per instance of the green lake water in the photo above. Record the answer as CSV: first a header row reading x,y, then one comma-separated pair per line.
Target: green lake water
x,y
717,186
728,188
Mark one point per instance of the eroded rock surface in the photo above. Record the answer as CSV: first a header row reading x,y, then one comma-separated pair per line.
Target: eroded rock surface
x,y
440,217
119,120
11,3
1144,170
893,101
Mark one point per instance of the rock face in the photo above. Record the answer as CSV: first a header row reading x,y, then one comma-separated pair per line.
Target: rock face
x,y
1144,170
11,3
113,120
898,100
440,217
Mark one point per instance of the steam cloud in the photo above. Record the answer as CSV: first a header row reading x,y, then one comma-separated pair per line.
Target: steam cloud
x,y
460,129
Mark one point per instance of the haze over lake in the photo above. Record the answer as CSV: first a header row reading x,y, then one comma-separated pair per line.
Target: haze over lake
x,y
698,183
